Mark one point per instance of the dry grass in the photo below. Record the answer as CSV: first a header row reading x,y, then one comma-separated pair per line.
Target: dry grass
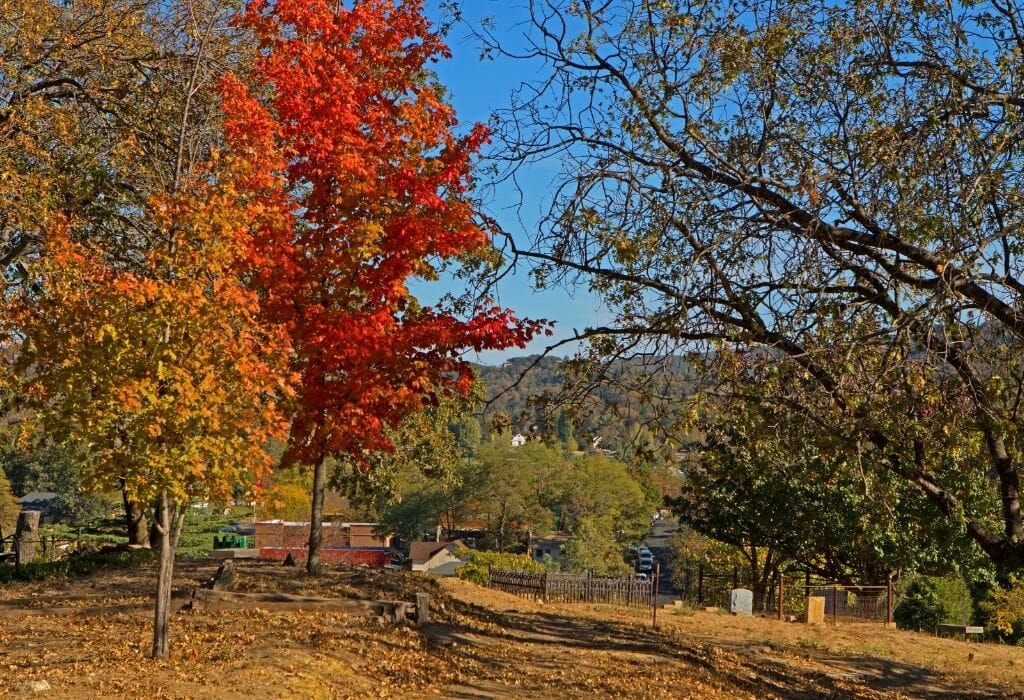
x,y
89,637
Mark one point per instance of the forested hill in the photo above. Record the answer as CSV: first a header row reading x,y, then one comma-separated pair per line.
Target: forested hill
x,y
536,395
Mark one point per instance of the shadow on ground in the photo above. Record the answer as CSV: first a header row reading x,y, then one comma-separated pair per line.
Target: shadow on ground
x,y
759,670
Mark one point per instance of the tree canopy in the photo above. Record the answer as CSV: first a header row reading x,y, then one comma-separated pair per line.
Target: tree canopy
x,y
363,180
812,178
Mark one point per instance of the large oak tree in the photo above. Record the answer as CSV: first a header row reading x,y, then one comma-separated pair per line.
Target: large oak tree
x,y
807,177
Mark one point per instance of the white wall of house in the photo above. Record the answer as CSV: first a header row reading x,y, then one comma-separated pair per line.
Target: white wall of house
x,y
439,559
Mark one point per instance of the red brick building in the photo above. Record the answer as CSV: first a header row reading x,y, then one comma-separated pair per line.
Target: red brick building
x,y
351,543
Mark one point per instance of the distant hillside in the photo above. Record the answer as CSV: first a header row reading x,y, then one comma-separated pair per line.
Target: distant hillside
x,y
541,394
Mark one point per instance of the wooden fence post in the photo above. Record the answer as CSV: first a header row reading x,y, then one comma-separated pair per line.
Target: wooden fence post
x,y
835,603
700,585
888,602
545,586
654,594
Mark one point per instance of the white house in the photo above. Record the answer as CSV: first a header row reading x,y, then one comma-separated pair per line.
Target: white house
x,y
518,440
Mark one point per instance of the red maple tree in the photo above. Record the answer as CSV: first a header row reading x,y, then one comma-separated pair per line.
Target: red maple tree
x,y
362,185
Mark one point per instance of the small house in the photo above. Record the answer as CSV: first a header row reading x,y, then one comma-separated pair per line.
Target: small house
x,y
518,440
436,557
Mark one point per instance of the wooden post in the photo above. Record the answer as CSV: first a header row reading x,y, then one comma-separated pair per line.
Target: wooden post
x,y
782,595
654,593
735,577
545,586
422,609
888,602
835,603
590,585
700,585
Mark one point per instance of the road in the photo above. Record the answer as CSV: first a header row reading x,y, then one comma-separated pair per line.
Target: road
x,y
657,542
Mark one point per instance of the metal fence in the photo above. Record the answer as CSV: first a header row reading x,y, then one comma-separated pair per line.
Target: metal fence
x,y
841,602
575,588
786,596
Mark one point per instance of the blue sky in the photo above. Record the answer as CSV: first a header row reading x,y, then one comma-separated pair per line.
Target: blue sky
x,y
476,90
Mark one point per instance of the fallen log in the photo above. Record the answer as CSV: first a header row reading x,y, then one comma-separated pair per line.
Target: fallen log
x,y
393,611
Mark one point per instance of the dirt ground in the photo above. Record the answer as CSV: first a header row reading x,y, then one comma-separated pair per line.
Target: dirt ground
x,y
89,637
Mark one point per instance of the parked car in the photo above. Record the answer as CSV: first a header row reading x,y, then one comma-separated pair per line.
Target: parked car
x,y
645,562
640,576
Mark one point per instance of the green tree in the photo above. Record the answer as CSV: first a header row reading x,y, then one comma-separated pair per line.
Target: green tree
x,y
594,547
770,482
514,489
744,176
58,469
467,434
564,432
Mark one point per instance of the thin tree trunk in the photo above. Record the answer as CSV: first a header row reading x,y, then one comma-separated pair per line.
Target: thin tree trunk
x,y
316,518
168,540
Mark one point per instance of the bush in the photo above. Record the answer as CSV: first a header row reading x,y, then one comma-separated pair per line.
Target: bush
x,y
477,563
1004,609
927,601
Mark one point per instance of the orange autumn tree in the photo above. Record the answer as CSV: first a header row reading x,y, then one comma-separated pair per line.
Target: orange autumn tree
x,y
364,184
159,369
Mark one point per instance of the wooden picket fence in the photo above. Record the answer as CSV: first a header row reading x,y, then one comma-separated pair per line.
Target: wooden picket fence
x,y
574,588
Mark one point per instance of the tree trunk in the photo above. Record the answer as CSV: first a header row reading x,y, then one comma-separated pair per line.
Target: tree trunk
x,y
168,536
316,518
26,534
135,520
755,580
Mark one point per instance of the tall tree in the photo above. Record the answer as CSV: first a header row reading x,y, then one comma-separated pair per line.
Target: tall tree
x,y
165,374
355,154
746,173
104,105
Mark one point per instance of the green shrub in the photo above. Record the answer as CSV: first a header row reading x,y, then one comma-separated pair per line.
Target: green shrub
x,y
927,601
201,526
1004,610
477,563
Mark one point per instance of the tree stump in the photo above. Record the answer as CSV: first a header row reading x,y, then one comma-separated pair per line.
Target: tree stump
x,y
422,609
26,535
